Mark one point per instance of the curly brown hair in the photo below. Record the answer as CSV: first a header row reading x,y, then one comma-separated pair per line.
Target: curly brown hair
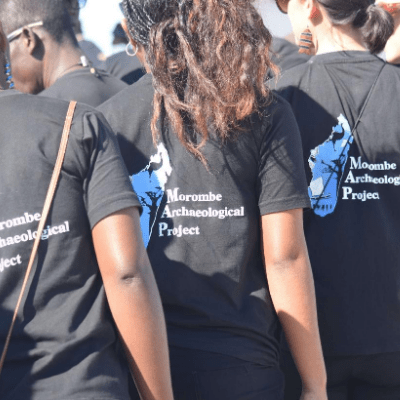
x,y
209,60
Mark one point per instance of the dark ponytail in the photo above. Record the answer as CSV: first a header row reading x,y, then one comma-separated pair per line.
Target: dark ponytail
x,y
377,29
209,60
375,24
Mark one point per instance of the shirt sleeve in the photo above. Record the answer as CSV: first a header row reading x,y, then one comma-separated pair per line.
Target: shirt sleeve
x,y
281,181
107,187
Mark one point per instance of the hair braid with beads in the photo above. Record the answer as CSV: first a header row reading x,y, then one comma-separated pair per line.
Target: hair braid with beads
x,y
209,60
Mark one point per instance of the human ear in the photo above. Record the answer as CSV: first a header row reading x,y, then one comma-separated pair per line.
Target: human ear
x,y
30,40
124,24
311,9
140,52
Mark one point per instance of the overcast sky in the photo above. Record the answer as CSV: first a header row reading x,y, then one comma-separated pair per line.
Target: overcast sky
x,y
99,18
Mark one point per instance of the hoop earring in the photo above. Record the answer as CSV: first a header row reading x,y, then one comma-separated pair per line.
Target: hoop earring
x,y
128,50
305,42
7,70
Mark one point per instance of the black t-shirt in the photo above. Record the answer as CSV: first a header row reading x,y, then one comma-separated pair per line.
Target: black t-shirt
x,y
286,54
85,87
63,344
353,232
202,227
124,67
93,53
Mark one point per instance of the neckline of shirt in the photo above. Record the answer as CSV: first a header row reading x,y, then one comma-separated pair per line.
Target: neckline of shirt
x,y
345,56
80,71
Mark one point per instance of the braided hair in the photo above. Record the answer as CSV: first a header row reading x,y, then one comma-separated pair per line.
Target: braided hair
x,y
209,60
140,14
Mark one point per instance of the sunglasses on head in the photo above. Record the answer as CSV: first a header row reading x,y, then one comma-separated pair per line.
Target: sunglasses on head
x,y
282,5
13,35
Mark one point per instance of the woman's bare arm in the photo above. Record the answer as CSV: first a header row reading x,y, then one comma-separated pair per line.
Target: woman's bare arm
x,y
134,301
291,286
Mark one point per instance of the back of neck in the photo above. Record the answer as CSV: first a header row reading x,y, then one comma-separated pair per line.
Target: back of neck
x,y
338,38
62,60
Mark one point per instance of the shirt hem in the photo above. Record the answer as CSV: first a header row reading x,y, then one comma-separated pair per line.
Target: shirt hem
x,y
285,205
111,206
354,351
227,353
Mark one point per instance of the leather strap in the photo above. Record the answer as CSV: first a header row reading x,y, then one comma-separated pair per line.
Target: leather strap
x,y
42,222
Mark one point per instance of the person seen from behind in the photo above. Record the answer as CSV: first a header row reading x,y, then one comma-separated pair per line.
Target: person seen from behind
x,y
92,280
45,56
215,160
343,102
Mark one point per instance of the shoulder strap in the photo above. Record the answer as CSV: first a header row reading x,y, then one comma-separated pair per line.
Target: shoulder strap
x,y
354,130
42,222
367,100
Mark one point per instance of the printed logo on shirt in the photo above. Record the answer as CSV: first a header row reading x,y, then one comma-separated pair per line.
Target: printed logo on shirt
x,y
27,235
149,185
370,174
327,162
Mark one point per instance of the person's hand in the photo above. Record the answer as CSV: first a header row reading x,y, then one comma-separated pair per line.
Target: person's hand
x,y
314,395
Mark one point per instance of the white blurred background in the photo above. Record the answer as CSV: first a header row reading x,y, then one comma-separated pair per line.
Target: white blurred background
x,y
99,18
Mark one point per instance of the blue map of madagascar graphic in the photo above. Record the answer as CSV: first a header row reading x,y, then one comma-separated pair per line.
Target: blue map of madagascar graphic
x,y
149,185
327,162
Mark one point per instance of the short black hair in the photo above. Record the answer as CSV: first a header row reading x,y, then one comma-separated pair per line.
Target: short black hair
x,y
15,14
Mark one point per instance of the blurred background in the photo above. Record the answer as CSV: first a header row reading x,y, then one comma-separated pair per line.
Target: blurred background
x,y
99,18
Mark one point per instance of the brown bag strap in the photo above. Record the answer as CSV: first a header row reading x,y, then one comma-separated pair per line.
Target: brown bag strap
x,y
42,222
